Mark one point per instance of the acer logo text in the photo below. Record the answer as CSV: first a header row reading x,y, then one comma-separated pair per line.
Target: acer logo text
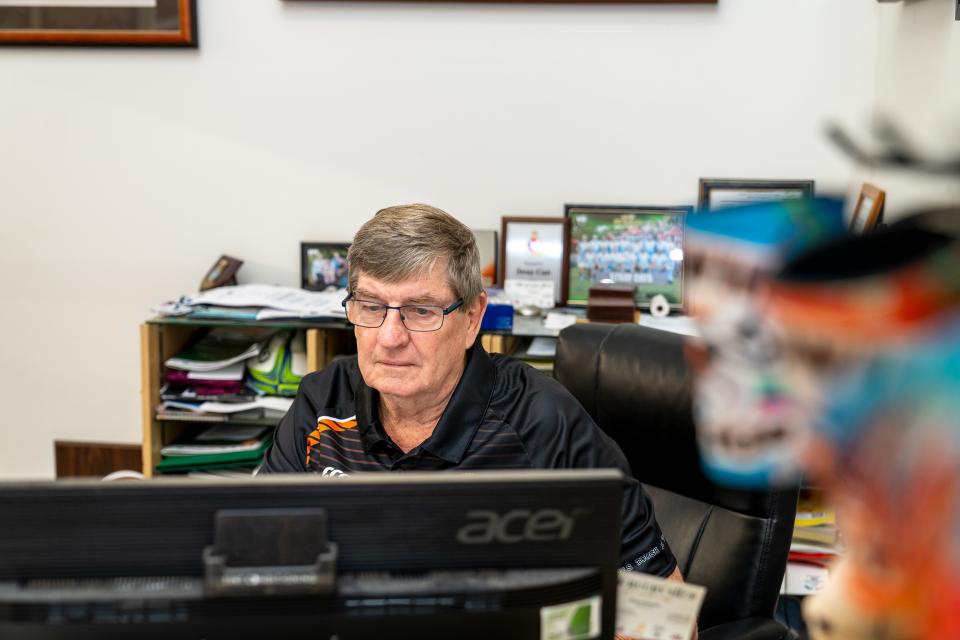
x,y
517,525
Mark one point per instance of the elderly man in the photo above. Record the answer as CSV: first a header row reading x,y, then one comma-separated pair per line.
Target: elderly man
x,y
421,393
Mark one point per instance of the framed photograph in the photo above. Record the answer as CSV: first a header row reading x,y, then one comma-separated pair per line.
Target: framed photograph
x,y
636,246
869,208
717,193
489,248
323,265
223,272
160,23
581,2
535,249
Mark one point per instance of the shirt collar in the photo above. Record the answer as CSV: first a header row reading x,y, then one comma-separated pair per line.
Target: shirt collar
x,y
460,420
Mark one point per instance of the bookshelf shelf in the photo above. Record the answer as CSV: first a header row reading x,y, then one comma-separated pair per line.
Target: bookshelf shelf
x,y
162,338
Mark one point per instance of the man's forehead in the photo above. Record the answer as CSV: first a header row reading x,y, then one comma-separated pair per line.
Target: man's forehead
x,y
431,285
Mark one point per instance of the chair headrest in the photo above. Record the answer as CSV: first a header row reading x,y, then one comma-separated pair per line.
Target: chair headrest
x,y
635,383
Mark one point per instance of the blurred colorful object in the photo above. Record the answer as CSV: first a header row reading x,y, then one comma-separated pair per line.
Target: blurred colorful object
x,y
751,426
845,366
877,320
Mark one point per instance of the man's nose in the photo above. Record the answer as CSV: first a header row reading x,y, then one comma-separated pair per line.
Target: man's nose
x,y
392,332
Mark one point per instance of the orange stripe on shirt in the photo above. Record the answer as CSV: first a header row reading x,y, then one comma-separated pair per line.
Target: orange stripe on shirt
x,y
327,423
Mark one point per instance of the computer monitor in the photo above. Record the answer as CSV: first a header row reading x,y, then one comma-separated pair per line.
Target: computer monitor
x,y
529,554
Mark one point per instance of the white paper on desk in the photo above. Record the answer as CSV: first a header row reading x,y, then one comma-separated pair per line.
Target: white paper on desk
x,y
538,293
652,608
558,320
296,302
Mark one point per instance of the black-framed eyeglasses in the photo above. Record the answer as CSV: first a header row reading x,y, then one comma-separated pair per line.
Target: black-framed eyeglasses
x,y
415,317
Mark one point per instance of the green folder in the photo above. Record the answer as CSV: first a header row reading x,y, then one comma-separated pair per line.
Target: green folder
x,y
181,464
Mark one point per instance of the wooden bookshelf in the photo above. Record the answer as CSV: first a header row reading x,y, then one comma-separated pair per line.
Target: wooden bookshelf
x,y
163,338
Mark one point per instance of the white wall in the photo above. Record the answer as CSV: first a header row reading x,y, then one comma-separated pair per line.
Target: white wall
x,y
125,173
918,88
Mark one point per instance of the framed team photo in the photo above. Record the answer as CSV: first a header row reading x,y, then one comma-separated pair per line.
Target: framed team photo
x,y
323,265
634,245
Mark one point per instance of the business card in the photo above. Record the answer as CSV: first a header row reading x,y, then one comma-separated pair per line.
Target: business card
x,y
652,608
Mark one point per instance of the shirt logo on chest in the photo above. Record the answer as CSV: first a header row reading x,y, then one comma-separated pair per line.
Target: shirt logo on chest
x,y
333,472
328,423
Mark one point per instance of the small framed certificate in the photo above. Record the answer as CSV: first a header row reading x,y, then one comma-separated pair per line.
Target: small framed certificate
x,y
535,249
718,193
869,208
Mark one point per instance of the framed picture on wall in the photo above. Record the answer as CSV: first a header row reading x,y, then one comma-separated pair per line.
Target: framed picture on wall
x,y
534,250
323,265
583,2
717,193
868,210
159,23
637,246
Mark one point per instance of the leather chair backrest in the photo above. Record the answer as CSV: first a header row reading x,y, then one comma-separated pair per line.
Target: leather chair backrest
x,y
635,383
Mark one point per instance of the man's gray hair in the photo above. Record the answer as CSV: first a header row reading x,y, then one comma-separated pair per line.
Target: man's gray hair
x,y
405,241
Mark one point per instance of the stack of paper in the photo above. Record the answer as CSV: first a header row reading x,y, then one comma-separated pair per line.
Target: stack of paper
x,y
218,447
815,522
258,302
814,547
258,409
275,403
219,349
213,367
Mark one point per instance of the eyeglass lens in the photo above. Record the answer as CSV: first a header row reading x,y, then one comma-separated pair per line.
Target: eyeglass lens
x,y
414,317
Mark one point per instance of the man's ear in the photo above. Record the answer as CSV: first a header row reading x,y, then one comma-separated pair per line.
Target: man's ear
x,y
474,315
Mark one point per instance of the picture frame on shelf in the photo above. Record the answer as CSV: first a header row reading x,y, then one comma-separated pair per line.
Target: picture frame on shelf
x,y
717,193
636,246
489,247
324,265
156,23
869,208
222,273
533,249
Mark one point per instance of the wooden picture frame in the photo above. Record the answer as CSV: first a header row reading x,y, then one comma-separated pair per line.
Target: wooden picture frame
x,y
534,248
160,23
717,193
869,208
580,2
222,273
324,265
640,246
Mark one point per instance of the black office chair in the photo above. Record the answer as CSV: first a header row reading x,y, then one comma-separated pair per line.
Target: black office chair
x,y
634,381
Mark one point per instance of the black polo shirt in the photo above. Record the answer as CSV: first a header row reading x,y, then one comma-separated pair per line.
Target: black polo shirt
x,y
503,414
